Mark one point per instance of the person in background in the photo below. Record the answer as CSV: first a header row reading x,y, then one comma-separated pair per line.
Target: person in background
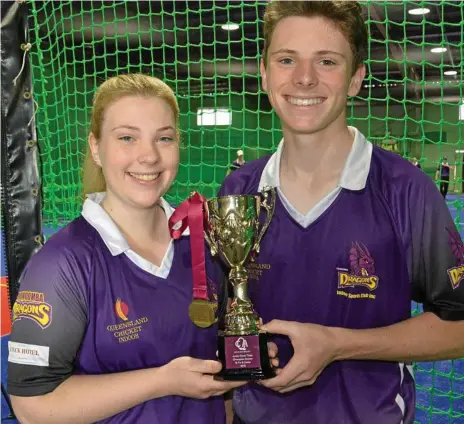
x,y
237,163
443,176
101,331
357,233
416,163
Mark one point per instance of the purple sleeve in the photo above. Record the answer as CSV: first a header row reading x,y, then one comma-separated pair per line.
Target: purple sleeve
x,y
230,186
437,256
244,180
49,320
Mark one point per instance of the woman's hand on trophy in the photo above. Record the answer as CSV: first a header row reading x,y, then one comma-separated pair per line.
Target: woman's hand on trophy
x,y
314,348
191,377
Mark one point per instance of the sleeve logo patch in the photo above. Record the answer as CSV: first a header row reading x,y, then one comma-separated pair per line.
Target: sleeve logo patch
x,y
27,354
31,305
456,274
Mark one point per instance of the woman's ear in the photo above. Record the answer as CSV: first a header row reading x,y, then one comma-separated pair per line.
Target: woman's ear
x,y
93,145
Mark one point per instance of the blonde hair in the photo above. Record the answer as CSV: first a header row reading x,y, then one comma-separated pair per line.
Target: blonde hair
x,y
109,92
347,15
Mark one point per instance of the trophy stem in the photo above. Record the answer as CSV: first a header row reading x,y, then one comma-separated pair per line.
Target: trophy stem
x,y
239,279
241,319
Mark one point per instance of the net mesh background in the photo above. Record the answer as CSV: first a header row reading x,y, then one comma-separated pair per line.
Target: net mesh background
x,y
407,103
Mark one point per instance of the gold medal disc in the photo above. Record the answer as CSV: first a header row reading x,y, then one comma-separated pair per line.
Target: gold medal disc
x,y
202,313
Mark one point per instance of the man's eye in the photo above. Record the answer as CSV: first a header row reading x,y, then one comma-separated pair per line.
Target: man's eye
x,y
327,62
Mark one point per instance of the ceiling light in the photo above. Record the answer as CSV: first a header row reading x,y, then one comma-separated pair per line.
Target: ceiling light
x,y
419,11
450,72
438,49
229,27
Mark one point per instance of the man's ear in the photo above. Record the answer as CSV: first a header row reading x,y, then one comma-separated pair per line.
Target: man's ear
x,y
356,81
262,70
93,145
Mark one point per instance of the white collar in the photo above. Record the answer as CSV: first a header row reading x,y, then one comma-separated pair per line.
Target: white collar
x,y
97,217
354,173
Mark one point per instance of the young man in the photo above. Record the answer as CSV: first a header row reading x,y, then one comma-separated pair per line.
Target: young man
x,y
443,171
357,234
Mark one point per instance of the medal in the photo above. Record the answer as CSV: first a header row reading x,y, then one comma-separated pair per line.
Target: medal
x,y
192,214
203,313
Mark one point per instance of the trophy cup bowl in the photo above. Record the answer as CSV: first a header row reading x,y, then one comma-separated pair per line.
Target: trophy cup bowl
x,y
234,235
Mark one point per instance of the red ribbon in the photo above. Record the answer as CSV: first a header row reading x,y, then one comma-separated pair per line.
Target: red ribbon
x,y
192,213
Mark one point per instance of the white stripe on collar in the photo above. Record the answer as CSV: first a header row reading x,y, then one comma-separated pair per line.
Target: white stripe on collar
x,y
354,173
97,217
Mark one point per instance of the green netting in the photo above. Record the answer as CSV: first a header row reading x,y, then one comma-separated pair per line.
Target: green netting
x,y
78,44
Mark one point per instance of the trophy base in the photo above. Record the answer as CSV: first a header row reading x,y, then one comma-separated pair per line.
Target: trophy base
x,y
244,357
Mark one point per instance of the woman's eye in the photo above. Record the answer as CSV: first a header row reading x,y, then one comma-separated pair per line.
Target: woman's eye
x,y
285,61
126,138
166,139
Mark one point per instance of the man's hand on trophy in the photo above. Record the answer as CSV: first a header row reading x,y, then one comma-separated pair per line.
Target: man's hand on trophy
x,y
191,377
314,347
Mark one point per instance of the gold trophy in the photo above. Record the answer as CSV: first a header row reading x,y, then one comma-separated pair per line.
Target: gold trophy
x,y
234,235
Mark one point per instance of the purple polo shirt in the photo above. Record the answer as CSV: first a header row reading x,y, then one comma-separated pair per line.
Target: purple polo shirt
x,y
376,246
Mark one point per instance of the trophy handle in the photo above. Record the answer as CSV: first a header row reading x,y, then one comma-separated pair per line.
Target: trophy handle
x,y
209,236
269,204
212,243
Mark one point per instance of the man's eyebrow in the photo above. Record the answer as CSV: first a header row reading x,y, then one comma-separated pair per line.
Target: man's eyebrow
x,y
323,52
287,51
319,52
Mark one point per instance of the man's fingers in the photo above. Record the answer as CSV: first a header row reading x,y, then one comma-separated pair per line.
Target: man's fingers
x,y
275,362
272,349
281,380
276,326
285,376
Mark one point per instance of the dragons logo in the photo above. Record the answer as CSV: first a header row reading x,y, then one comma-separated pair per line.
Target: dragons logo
x,y
456,274
362,270
361,261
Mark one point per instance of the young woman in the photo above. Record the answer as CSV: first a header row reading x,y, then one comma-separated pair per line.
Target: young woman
x,y
101,330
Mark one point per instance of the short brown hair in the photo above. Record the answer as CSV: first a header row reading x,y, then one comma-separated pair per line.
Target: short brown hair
x,y
109,92
347,15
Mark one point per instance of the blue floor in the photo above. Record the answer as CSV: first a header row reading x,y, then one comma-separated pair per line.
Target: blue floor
x,y
440,385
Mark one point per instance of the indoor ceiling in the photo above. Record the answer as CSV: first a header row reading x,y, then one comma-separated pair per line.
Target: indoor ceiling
x,y
183,40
